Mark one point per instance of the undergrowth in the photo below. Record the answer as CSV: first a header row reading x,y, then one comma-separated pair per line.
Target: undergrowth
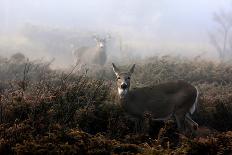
x,y
44,111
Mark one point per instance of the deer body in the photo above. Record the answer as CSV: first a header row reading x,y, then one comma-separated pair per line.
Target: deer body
x,y
162,101
92,55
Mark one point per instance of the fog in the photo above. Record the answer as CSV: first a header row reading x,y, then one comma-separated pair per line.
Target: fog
x,y
50,28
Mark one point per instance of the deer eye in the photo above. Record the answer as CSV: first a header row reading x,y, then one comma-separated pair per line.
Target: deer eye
x,y
118,78
128,78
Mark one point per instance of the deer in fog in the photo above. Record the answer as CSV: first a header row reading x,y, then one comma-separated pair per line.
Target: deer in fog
x,y
162,101
92,55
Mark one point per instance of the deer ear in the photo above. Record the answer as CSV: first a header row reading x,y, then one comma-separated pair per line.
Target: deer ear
x,y
108,36
132,69
95,37
115,69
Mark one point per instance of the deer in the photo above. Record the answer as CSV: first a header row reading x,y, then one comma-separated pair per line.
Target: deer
x,y
95,55
161,101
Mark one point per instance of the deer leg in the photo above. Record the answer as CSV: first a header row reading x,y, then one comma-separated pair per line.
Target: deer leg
x,y
146,122
140,126
180,120
137,124
146,125
189,120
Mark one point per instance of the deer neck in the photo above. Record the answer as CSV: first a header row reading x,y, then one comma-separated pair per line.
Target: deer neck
x,y
123,98
102,50
127,106
122,93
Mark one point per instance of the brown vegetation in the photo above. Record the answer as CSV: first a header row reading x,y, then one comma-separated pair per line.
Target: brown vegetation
x,y
43,111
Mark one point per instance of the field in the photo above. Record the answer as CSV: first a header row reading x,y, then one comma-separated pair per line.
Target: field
x,y
45,111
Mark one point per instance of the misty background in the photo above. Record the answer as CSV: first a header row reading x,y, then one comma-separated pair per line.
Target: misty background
x,y
51,29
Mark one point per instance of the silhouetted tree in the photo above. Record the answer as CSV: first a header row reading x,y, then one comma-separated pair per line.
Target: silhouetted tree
x,y
221,39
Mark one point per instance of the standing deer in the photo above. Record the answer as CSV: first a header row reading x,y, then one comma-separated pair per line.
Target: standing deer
x,y
92,55
161,101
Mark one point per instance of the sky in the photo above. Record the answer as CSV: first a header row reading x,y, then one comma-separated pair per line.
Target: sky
x,y
138,14
171,24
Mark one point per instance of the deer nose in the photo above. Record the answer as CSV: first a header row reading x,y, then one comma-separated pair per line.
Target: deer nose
x,y
124,86
101,45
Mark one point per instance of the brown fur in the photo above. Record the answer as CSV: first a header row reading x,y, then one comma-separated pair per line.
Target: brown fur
x,y
91,55
161,101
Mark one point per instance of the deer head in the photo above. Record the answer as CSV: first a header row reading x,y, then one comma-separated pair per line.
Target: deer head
x,y
101,42
123,80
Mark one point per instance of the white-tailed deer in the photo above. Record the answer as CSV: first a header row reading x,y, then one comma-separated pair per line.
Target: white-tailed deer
x,y
92,55
161,101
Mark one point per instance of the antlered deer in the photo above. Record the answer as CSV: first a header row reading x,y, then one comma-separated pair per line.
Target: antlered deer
x,y
92,55
161,101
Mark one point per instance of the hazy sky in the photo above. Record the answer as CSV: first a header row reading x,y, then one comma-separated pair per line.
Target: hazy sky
x,y
140,14
160,21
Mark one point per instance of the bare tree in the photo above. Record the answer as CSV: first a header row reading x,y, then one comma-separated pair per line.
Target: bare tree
x,y
221,38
